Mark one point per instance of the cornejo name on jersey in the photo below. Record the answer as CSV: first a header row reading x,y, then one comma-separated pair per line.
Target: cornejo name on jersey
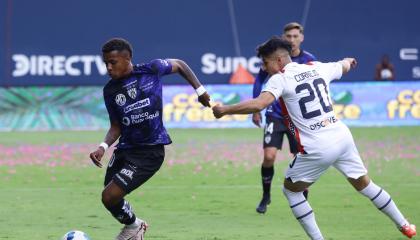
x,y
58,65
305,75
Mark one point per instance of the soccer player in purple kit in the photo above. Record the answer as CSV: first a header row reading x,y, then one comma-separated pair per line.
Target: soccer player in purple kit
x,y
133,99
275,129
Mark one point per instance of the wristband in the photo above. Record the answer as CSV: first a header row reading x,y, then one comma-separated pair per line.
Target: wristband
x,y
104,145
200,90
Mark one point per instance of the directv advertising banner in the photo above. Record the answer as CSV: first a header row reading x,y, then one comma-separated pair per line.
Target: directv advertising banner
x,y
67,108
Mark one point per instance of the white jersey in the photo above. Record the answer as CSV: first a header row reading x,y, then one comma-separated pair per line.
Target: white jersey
x,y
303,92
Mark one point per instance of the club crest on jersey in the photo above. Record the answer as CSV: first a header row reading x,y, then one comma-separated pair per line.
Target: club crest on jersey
x,y
126,121
120,99
132,92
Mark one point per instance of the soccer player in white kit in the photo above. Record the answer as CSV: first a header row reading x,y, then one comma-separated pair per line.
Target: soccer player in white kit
x,y
323,140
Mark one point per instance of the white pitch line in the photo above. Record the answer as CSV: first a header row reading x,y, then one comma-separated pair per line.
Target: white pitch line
x,y
413,184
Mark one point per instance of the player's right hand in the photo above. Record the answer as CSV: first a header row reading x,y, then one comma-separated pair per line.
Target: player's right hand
x,y
256,119
218,111
96,156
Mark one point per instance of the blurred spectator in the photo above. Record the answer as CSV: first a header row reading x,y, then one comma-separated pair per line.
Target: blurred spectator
x,y
385,69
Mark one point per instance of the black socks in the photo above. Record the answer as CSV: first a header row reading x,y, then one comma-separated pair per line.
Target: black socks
x,y
123,213
267,176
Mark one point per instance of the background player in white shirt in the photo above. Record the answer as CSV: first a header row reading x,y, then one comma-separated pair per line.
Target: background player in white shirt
x,y
323,140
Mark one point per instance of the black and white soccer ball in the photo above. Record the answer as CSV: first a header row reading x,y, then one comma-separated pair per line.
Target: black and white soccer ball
x,y
75,235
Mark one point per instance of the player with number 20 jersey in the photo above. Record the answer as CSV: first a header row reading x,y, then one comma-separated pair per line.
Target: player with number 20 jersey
x,y
324,141
303,91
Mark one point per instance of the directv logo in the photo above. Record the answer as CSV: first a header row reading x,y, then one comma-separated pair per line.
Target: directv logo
x,y
59,65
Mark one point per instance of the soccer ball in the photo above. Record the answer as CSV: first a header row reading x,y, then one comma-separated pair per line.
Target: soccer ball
x,y
75,235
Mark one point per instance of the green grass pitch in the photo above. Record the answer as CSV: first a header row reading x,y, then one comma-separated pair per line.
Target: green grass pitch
x,y
207,189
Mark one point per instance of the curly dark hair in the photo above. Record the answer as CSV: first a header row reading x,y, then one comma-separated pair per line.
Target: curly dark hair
x,y
117,44
273,44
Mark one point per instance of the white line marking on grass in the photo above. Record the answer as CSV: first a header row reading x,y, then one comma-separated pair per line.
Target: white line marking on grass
x,y
191,187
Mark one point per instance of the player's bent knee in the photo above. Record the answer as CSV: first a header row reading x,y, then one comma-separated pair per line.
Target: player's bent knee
x,y
270,153
295,186
360,183
269,160
110,196
106,199
109,200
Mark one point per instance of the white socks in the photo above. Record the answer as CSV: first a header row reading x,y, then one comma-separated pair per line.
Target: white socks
x,y
383,201
303,213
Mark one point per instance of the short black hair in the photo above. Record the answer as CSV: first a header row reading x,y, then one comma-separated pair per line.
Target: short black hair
x,y
117,44
273,44
293,25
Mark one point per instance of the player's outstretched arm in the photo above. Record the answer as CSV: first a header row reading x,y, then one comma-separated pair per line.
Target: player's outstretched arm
x,y
347,64
179,66
245,107
111,136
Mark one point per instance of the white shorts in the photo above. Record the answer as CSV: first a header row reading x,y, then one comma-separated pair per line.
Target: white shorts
x,y
342,154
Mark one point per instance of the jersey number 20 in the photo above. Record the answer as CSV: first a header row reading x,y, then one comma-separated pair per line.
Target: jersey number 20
x,y
318,84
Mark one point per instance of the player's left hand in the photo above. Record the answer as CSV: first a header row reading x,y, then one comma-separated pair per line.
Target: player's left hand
x,y
204,99
352,61
218,111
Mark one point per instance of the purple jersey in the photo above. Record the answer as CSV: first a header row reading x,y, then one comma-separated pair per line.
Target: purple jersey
x,y
135,103
274,110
